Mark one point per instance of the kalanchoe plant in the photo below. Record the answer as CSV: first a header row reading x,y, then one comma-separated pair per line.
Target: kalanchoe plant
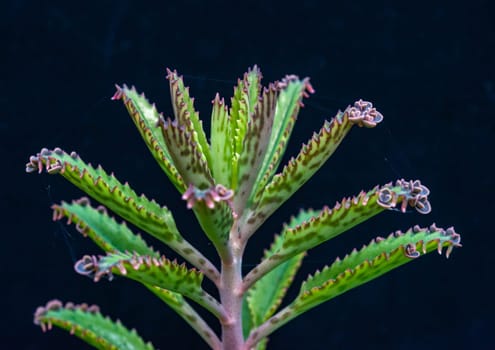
x,y
231,184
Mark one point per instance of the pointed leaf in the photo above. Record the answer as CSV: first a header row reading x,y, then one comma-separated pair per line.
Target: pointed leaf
x,y
118,197
159,272
254,146
186,115
150,271
289,102
379,257
121,199
186,154
146,118
328,223
244,101
87,323
221,144
311,157
104,230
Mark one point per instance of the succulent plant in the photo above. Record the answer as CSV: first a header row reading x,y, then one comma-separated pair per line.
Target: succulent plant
x,y
232,185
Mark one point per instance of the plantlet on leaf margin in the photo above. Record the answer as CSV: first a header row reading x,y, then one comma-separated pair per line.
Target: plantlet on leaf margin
x,y
230,182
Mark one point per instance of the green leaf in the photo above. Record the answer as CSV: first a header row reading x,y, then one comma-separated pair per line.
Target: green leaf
x,y
244,102
311,157
289,102
159,272
319,227
150,271
254,146
380,256
87,323
118,197
104,230
221,144
146,118
186,154
186,116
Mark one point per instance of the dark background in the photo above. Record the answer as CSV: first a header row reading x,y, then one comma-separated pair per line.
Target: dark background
x,y
428,67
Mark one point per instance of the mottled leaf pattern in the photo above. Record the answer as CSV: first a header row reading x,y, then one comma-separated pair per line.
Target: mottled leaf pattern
x,y
221,143
186,154
121,199
146,118
87,323
379,257
254,146
289,102
328,223
244,102
154,271
186,116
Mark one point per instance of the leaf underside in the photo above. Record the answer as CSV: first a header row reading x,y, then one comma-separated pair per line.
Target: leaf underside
x,y
102,229
87,323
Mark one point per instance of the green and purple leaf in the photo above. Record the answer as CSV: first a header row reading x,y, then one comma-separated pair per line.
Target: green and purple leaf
x,y
244,102
186,154
379,257
289,102
186,116
88,324
221,143
328,223
118,197
122,200
311,157
254,146
146,117
151,270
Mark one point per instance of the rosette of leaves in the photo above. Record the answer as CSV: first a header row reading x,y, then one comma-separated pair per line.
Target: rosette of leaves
x,y
232,183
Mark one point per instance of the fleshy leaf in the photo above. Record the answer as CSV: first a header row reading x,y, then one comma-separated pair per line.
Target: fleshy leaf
x,y
289,102
221,144
186,116
311,157
159,272
379,257
328,223
244,101
146,118
104,230
150,271
254,146
186,154
121,199
87,323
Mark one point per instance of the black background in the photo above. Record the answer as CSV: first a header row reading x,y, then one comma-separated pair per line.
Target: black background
x,y
428,67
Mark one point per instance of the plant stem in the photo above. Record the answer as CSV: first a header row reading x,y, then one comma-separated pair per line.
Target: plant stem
x,y
231,292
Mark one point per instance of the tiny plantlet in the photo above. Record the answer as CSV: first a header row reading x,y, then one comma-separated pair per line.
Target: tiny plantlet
x,y
232,184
